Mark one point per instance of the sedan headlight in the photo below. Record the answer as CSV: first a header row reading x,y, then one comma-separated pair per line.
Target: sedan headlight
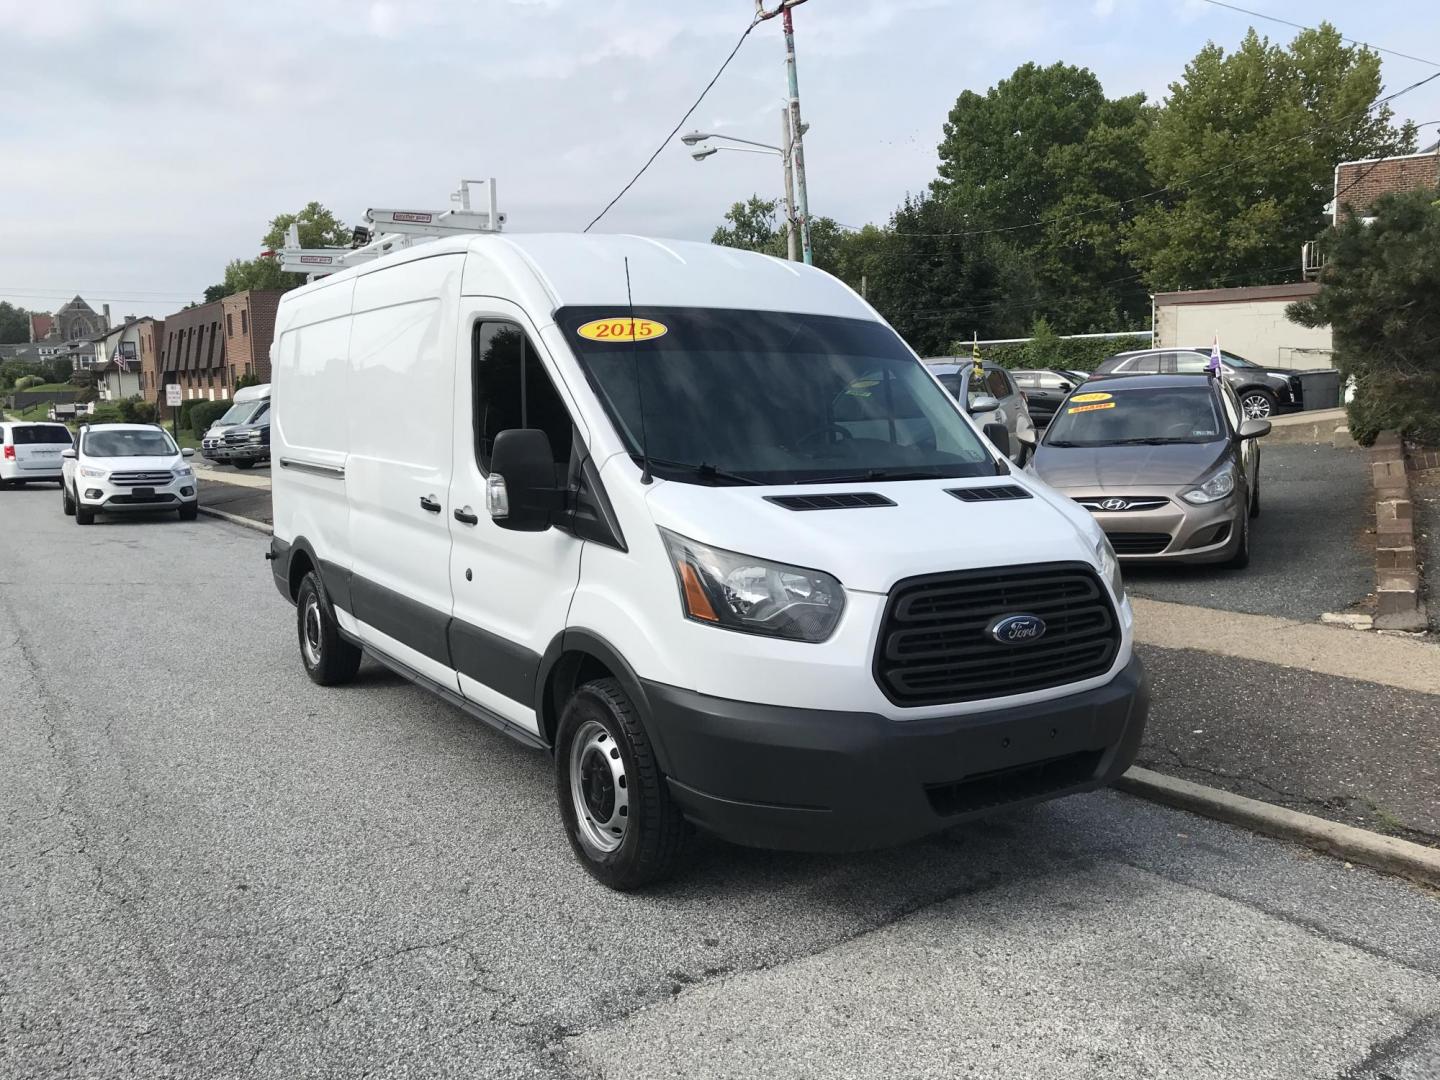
x,y
1214,489
754,596
182,472
1110,566
92,472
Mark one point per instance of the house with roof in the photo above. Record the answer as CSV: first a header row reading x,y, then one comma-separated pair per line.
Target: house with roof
x,y
76,321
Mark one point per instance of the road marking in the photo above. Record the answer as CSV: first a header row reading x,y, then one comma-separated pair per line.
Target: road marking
x,y
1403,663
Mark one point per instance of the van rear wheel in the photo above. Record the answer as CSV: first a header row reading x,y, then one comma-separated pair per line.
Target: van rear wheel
x,y
328,658
622,823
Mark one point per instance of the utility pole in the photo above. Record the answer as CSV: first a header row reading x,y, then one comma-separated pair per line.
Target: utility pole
x,y
792,237
797,140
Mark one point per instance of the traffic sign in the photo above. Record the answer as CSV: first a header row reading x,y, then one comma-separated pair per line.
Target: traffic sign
x,y
172,394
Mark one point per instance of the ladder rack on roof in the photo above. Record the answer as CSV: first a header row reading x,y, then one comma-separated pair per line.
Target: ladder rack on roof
x,y
385,231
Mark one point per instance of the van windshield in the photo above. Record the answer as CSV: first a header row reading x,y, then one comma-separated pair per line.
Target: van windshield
x,y
767,397
238,414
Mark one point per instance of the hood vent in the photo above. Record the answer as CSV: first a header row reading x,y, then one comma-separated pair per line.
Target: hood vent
x,y
849,500
989,494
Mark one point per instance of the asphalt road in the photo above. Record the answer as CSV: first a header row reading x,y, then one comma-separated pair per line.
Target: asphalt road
x,y
211,868
1310,551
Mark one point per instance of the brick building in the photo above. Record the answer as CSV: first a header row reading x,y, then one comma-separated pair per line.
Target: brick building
x,y
209,347
1359,183
152,341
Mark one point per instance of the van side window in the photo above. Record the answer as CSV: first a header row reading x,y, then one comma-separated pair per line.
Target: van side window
x,y
513,390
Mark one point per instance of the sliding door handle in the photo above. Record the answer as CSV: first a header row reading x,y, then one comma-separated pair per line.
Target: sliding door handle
x,y
430,503
466,516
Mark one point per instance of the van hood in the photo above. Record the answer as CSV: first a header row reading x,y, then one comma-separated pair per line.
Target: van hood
x,y
1102,468
869,549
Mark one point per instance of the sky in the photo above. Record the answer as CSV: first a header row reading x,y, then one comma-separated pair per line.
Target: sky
x,y
145,143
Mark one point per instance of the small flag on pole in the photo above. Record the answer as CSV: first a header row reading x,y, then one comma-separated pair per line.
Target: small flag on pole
x,y
1214,366
120,361
975,354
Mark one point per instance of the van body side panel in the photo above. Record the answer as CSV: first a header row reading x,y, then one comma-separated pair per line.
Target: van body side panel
x,y
397,475
309,438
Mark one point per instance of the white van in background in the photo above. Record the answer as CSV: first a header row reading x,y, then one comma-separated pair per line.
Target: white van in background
x,y
729,551
236,437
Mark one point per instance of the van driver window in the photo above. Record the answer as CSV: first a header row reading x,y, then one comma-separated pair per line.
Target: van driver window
x,y
513,390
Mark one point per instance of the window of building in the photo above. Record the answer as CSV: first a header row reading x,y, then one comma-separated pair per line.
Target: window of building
x,y
229,325
513,390
210,356
244,322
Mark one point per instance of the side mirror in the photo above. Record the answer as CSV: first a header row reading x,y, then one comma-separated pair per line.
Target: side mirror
x,y
999,435
520,493
187,452
1065,388
69,453
983,403
1253,429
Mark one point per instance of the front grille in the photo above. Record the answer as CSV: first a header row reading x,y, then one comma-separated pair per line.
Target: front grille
x,y
1003,786
989,494
1095,504
141,479
935,647
844,500
138,500
242,439
1131,543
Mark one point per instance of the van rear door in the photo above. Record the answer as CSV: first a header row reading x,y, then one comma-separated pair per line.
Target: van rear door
x,y
38,448
512,589
397,476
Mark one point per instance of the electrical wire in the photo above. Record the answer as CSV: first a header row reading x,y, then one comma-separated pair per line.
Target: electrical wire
x,y
1302,26
1378,161
666,141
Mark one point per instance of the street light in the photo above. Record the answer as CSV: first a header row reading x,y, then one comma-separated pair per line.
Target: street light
x,y
750,146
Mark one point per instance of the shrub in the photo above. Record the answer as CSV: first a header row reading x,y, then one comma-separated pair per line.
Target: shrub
x,y
1046,350
205,413
136,411
25,382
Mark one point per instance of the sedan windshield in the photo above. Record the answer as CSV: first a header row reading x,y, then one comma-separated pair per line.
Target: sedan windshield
x,y
129,443
772,398
1170,414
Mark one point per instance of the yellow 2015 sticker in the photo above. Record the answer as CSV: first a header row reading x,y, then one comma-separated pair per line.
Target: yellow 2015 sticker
x,y
623,328
1092,408
1091,397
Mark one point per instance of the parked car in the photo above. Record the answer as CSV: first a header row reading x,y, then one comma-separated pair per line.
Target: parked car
x,y
1044,390
816,609
31,452
1168,464
1262,393
994,399
241,437
119,468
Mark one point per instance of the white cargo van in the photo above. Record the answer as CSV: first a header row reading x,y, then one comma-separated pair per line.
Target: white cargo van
x,y
698,522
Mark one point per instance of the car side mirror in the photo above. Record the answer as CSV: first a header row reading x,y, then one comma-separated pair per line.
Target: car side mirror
x,y
983,403
999,435
1065,388
187,452
520,493
1253,429
68,453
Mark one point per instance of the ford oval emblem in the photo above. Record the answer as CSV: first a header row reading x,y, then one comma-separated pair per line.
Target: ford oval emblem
x,y
1017,629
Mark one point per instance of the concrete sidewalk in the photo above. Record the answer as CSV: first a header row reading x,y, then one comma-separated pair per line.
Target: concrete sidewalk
x,y
251,502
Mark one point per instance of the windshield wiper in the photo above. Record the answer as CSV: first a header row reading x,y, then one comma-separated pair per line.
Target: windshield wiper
x,y
875,474
707,472
1062,443
1157,441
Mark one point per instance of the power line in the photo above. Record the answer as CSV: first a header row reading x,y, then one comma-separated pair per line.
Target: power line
x,y
1302,26
1373,165
666,141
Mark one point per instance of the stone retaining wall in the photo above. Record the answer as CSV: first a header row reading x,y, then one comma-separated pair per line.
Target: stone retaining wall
x,y
1400,605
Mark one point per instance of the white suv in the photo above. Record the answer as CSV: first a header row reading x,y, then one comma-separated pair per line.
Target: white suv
x,y
121,467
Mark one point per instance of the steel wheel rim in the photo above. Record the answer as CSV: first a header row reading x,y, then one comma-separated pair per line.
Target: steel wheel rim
x,y
1257,407
310,632
599,790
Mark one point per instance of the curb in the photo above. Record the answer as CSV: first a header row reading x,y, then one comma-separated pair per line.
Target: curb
x,y
1320,427
1385,853
236,519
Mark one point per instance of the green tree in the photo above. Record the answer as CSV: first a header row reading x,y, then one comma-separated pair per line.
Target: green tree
x,y
1051,165
757,225
1245,148
64,367
1378,296
14,324
216,292
318,227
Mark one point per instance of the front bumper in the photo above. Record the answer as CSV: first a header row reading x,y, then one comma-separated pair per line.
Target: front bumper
x,y
113,498
812,780
1177,532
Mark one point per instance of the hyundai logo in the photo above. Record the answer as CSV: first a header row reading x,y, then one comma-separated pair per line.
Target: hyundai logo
x,y
1113,504
1017,629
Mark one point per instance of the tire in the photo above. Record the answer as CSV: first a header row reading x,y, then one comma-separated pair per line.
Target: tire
x,y
66,502
604,765
243,464
1241,558
189,511
83,515
1257,404
329,659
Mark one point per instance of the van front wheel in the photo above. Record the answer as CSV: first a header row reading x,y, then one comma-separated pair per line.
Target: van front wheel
x,y
622,823
328,658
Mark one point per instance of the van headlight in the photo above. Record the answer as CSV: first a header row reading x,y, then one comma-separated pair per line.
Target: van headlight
x,y
1110,566
726,589
1214,489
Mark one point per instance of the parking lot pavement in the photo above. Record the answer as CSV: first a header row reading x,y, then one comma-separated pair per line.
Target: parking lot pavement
x,y
214,868
250,501
1310,551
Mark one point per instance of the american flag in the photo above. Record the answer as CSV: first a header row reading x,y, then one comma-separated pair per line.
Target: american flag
x,y
119,359
1214,366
